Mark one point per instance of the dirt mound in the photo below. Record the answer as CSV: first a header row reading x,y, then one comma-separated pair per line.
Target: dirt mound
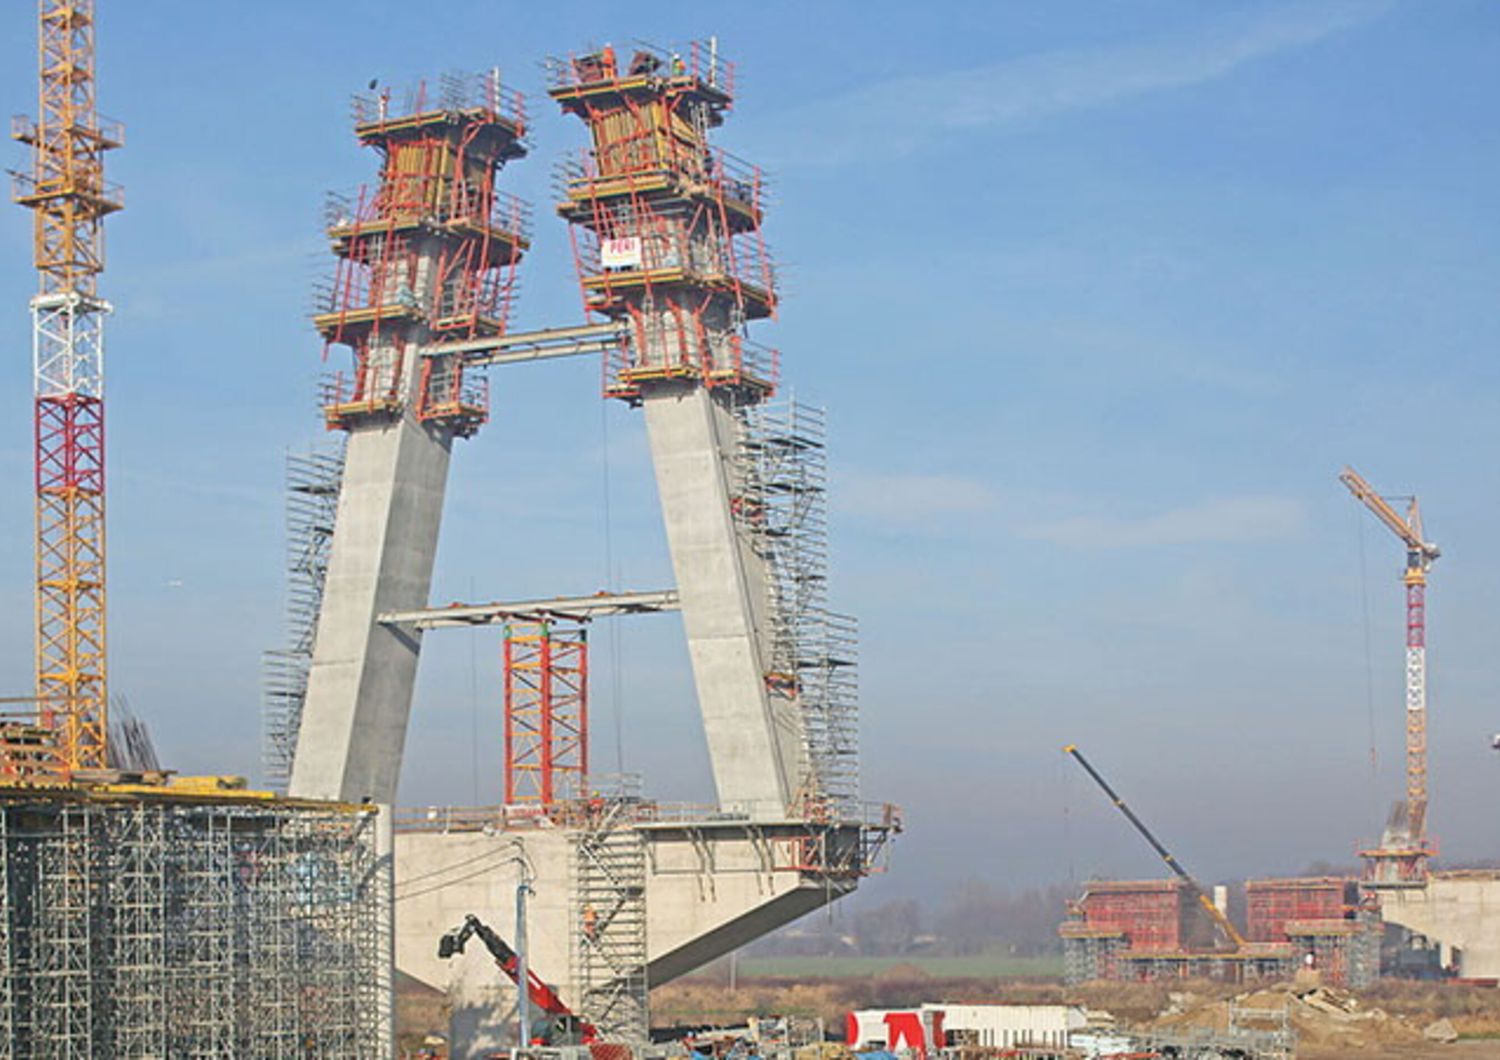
x,y
1324,1018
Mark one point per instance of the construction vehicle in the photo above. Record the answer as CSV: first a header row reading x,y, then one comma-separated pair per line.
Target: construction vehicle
x,y
1225,926
557,1024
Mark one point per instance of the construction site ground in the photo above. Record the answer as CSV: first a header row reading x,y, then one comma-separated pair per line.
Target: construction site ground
x,y
1387,1021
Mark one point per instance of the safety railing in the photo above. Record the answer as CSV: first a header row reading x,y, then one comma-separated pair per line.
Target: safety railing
x,y
489,207
484,94
582,174
348,397
105,132
453,396
875,817
107,194
460,203
740,361
671,239
697,61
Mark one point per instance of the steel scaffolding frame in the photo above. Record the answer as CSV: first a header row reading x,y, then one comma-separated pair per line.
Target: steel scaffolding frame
x,y
63,995
137,887
1089,954
1345,952
546,719
781,508
312,497
150,927
7,952
609,936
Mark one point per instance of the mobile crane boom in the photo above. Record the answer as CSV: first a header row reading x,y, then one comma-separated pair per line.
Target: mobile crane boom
x,y
1223,923
506,959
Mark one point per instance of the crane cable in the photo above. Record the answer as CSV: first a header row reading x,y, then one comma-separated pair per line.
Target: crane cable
x,y
1364,599
611,583
1067,820
474,700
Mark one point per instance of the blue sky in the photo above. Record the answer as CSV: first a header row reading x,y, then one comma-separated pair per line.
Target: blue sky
x,y
1100,296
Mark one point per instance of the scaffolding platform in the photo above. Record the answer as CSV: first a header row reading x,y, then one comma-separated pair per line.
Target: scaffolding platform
x,y
581,79
188,918
480,105
709,176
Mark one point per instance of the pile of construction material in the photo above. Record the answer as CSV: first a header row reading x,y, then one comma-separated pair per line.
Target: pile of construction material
x,y
1323,1018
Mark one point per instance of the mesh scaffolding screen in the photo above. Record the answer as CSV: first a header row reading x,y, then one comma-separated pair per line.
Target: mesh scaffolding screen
x,y
312,499
151,927
782,507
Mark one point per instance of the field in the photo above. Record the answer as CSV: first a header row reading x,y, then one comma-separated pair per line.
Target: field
x,y
979,966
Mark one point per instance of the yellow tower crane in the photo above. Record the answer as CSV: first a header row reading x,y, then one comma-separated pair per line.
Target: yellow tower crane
x,y
69,198
1402,858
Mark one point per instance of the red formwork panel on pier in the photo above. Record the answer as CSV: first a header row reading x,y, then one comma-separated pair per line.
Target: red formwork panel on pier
x,y
1153,914
1270,904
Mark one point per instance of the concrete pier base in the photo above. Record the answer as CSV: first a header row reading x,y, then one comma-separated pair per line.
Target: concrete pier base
x,y
710,887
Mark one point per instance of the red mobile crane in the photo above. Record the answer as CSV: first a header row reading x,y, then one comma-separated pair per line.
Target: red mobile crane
x,y
563,1025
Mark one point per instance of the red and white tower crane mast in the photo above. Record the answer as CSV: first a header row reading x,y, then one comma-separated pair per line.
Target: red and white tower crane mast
x,y
1402,856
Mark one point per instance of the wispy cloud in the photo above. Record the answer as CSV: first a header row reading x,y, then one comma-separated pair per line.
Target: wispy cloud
x,y
1228,520
900,115
912,500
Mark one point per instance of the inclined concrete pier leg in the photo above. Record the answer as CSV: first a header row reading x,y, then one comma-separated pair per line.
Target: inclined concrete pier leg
x,y
360,685
754,739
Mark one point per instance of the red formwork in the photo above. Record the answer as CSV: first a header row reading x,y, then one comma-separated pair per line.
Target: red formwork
x,y
1153,914
1271,904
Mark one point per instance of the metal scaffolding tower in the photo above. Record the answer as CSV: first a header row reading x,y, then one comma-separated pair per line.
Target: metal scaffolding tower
x,y
546,713
144,926
609,940
137,887
312,496
70,198
780,506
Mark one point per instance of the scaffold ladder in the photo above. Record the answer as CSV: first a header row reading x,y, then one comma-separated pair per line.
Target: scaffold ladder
x,y
610,927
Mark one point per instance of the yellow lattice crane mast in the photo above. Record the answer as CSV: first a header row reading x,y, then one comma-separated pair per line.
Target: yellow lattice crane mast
x,y
67,193
1402,856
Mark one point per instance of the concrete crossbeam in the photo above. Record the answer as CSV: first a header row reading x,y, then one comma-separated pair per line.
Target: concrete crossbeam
x,y
572,608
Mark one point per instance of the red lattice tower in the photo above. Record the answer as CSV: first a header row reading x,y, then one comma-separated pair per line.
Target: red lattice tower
x,y
546,714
